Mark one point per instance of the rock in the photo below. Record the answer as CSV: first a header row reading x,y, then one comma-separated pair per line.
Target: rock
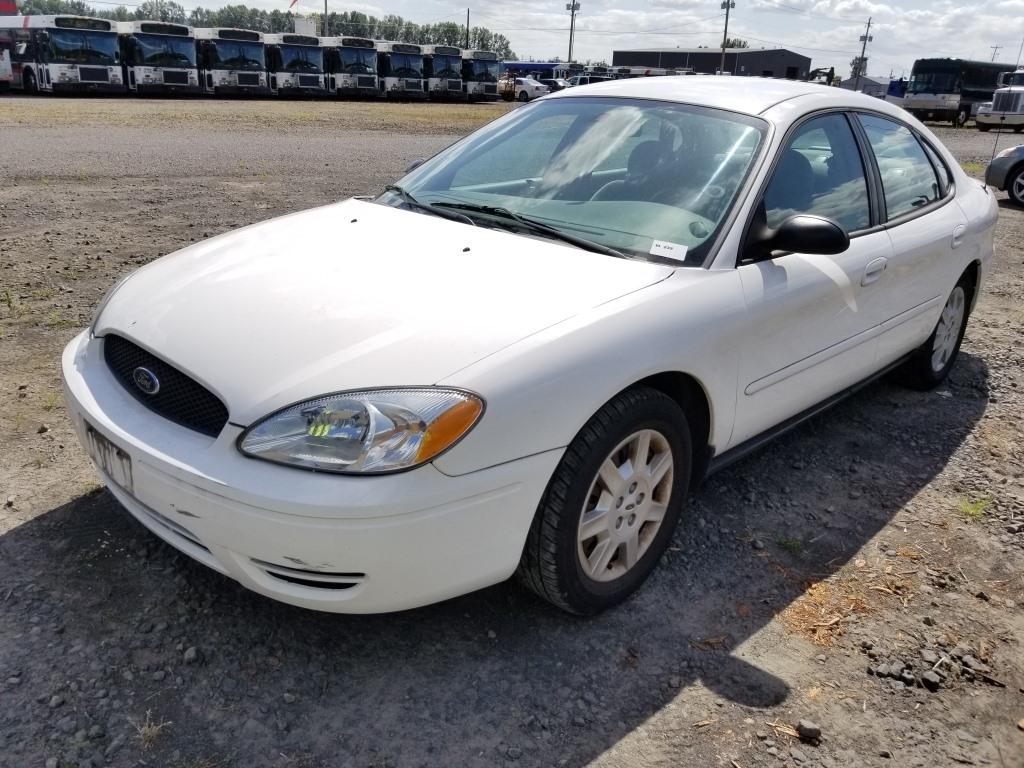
x,y
931,681
96,732
929,621
514,753
974,664
43,429
982,595
52,762
929,656
757,544
772,750
762,735
798,755
289,698
114,746
67,724
56,700
159,675
191,655
808,730
491,634
963,735
886,754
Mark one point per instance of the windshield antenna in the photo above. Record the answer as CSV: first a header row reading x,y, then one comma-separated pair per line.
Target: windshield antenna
x,y
995,144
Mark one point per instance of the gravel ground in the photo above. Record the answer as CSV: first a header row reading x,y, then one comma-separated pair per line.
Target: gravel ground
x,y
830,582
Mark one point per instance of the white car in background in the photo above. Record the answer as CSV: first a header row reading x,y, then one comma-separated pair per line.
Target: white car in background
x,y
528,89
523,356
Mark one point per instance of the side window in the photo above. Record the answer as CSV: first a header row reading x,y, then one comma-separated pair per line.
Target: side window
x,y
908,178
820,172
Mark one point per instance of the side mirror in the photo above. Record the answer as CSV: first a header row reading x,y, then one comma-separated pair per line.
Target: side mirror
x,y
801,233
416,164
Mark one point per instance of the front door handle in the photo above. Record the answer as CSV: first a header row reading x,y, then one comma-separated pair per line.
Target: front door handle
x,y
874,270
958,235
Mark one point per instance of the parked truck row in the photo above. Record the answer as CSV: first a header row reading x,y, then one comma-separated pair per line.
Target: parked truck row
x,y
67,54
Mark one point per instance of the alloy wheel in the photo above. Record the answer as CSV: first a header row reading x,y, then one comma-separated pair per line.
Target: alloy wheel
x,y
626,504
947,333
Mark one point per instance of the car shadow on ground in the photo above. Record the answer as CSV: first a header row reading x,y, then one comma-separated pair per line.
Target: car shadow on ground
x,y
492,676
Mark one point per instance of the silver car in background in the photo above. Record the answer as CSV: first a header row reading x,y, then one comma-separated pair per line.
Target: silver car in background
x,y
1006,172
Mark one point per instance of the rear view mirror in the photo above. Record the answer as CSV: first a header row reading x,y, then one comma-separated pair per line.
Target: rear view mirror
x,y
802,233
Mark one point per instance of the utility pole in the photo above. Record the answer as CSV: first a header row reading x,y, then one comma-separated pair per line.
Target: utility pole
x,y
863,64
727,5
325,18
467,29
1020,51
573,8
995,50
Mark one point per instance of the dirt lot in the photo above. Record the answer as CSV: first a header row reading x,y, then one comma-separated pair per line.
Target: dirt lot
x,y
821,579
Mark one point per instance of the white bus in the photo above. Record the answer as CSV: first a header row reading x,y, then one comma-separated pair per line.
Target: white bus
x,y
1006,109
480,75
442,70
400,70
6,74
54,54
158,57
351,64
295,64
231,61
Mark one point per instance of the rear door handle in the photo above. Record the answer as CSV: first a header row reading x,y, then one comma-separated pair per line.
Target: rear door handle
x,y
874,270
958,235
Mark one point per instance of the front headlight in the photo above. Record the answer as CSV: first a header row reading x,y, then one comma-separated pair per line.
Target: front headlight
x,y
365,432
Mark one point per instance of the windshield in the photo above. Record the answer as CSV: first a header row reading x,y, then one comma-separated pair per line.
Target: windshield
x,y
166,51
406,65
1017,78
80,47
934,82
447,66
640,176
302,58
358,60
235,54
485,71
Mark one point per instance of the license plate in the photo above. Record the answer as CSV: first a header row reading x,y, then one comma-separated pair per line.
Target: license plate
x,y
115,463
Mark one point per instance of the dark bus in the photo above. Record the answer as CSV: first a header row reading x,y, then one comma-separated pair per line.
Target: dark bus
x,y
951,89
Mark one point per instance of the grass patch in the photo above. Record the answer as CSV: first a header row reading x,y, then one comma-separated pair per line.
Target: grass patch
x,y
42,293
973,168
790,544
148,731
51,401
975,510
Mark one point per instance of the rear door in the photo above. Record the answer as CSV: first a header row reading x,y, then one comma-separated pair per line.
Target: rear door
x,y
926,228
811,327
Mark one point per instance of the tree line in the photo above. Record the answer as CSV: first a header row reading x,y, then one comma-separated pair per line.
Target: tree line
x,y
352,23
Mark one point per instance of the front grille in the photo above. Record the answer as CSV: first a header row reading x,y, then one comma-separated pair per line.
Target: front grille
x,y
179,398
309,578
490,89
248,79
366,82
414,85
309,81
454,85
1006,102
94,74
175,78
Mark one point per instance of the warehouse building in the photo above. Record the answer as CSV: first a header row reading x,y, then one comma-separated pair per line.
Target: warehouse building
x,y
756,62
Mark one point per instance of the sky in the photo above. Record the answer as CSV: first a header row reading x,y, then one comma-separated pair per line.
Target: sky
x,y
826,30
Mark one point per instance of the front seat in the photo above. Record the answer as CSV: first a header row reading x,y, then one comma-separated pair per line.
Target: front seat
x,y
643,161
792,187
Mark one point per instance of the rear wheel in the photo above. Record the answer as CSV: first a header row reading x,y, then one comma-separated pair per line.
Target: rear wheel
x,y
960,118
929,365
612,504
30,84
1015,186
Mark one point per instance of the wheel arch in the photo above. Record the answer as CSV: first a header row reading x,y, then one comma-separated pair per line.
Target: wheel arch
x,y
693,398
973,273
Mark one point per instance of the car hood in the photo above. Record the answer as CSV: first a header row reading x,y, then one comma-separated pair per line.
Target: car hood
x,y
354,295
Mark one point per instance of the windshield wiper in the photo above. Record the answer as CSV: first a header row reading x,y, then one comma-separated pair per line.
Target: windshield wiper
x,y
412,202
536,226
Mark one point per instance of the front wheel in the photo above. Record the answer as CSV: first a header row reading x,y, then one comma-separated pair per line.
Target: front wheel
x,y
960,119
930,363
31,86
524,96
612,504
1016,186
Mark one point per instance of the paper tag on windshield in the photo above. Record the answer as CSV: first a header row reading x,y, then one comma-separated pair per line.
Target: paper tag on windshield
x,y
668,250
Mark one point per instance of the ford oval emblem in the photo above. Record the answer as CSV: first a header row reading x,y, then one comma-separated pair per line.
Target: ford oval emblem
x,y
146,380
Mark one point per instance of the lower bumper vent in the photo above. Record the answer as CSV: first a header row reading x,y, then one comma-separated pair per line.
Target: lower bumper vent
x,y
308,578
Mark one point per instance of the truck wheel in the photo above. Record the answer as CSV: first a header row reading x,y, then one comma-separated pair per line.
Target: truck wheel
x,y
611,506
960,118
29,83
1018,128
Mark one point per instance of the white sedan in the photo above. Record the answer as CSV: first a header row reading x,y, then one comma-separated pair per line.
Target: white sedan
x,y
522,357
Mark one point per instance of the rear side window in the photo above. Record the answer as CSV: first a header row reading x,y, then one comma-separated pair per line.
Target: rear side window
x,y
820,172
945,177
909,181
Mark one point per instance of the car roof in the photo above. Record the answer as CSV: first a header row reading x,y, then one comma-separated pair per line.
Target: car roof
x,y
749,95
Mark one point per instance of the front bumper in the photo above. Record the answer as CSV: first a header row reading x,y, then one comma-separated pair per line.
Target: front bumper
x,y
327,542
999,119
157,88
247,90
998,171
78,87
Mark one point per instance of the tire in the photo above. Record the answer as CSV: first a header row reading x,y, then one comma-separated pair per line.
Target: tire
x,y
930,363
29,83
961,116
1018,128
1015,185
984,128
524,96
559,562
